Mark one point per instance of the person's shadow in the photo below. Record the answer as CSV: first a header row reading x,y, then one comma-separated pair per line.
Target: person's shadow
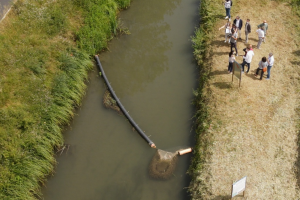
x,y
218,72
297,61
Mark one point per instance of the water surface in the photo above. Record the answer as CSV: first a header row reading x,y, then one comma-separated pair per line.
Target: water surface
x,y
153,72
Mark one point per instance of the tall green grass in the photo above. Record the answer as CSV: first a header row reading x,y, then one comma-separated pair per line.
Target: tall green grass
x,y
100,22
44,62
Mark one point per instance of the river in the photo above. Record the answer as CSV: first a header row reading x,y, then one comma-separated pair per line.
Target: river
x,y
153,72
4,7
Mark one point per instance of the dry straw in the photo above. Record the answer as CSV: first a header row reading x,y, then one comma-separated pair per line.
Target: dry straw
x,y
254,128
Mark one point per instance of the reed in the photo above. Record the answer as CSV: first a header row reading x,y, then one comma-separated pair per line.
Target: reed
x,y
99,24
44,62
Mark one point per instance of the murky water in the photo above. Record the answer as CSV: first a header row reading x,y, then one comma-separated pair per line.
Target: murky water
x,y
4,7
153,72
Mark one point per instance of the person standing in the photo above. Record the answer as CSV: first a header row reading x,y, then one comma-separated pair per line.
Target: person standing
x,y
227,31
231,61
265,26
239,24
261,65
233,39
247,29
270,64
228,5
233,27
261,36
248,58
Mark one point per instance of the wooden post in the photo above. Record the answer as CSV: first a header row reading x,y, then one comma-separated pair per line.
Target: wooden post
x,y
231,191
240,78
232,72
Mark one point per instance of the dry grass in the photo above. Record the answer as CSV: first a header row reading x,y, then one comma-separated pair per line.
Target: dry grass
x,y
255,127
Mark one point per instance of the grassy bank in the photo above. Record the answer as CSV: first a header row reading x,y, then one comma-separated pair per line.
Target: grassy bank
x,y
45,57
253,130
202,53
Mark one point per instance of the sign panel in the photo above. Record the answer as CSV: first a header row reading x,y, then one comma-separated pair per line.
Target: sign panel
x,y
238,187
237,70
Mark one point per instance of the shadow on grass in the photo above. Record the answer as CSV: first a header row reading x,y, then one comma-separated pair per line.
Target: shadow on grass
x,y
222,53
222,197
251,75
297,54
295,62
219,16
223,85
297,163
218,72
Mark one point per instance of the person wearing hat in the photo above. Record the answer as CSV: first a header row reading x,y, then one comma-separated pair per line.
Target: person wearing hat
x,y
265,25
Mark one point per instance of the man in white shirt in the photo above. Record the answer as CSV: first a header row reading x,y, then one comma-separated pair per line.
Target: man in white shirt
x,y
261,35
248,58
270,65
265,25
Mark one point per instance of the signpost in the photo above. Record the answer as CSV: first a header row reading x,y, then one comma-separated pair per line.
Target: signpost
x,y
238,187
237,72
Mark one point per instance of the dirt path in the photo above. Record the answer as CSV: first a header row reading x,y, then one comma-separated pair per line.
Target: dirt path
x,y
255,126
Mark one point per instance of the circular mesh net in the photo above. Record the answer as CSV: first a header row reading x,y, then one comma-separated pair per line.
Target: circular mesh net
x,y
163,164
109,102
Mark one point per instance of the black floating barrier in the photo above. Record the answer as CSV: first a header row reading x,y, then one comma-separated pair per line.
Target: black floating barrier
x,y
142,134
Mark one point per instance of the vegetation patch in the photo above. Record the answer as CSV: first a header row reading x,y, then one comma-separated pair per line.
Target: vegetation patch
x,y
110,102
45,58
203,53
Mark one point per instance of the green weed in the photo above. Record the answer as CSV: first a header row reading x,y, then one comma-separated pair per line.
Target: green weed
x,y
42,78
202,52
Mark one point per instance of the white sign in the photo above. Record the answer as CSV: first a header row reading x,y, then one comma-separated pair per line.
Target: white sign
x,y
238,187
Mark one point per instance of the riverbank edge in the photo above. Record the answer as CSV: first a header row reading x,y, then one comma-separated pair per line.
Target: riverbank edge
x,y
202,53
26,163
202,39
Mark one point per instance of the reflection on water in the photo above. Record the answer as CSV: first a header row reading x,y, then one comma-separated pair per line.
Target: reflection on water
x,y
4,7
153,71
145,47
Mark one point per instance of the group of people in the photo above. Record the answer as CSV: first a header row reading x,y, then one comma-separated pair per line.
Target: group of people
x,y
233,33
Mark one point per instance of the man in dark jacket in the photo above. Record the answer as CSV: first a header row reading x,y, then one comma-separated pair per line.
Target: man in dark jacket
x,y
239,24
247,29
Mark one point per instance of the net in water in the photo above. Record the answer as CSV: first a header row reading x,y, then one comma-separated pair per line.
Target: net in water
x,y
109,102
163,164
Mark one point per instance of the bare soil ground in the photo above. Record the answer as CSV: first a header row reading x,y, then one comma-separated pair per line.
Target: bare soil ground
x,y
255,129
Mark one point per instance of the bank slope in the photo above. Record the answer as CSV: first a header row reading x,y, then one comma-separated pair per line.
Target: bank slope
x,y
253,130
44,62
